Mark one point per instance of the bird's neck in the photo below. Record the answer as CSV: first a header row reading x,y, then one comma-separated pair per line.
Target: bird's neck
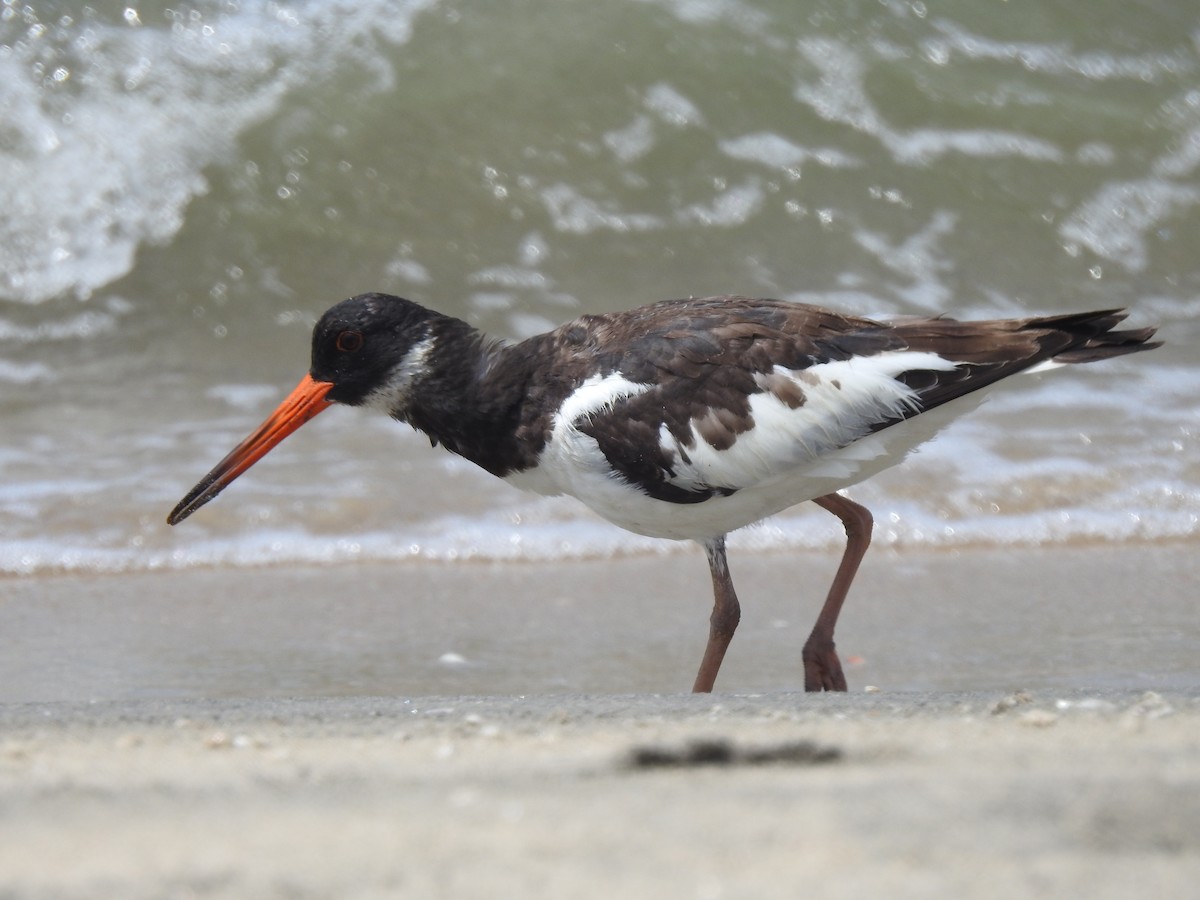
x,y
470,397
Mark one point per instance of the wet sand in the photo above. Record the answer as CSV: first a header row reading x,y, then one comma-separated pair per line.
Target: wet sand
x,y
472,730
997,620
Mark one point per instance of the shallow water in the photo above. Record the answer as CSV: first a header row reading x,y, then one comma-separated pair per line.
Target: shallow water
x,y
186,188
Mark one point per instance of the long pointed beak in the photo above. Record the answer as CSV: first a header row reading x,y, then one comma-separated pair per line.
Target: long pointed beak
x,y
302,404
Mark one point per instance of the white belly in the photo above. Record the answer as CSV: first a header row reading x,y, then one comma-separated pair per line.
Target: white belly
x,y
573,464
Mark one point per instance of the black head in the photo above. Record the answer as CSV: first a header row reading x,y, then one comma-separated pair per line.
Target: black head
x,y
367,349
363,343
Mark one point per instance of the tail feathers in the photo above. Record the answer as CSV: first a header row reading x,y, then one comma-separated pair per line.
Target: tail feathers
x,y
1093,337
989,351
1113,343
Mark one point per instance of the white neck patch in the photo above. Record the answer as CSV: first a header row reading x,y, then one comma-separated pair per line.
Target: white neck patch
x,y
392,396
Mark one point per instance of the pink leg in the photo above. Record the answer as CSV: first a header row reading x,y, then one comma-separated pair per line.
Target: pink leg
x,y
822,670
724,620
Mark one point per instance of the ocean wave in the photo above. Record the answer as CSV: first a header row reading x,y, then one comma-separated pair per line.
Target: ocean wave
x,y
110,120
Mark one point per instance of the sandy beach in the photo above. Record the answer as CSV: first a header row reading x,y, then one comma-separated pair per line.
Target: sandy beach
x,y
977,794
1032,729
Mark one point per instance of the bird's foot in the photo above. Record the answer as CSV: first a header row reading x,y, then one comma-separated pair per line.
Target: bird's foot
x,y
822,669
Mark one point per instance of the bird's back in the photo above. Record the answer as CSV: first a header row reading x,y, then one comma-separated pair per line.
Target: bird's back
x,y
690,402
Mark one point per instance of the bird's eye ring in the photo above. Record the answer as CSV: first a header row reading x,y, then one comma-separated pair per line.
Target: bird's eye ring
x,y
349,341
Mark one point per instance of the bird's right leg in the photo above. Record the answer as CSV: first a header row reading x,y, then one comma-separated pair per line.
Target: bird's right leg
x,y
822,669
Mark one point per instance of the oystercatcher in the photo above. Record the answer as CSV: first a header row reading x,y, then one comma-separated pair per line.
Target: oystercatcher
x,y
684,419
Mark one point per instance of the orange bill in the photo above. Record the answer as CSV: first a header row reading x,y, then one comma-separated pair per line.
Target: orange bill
x,y
302,404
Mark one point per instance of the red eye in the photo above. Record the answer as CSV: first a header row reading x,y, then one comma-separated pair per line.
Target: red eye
x,y
349,341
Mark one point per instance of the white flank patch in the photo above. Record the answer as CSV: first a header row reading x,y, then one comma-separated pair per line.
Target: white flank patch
x,y
599,393
1044,366
843,401
392,395
571,460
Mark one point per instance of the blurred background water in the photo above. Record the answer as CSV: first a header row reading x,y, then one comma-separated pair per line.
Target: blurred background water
x,y
184,188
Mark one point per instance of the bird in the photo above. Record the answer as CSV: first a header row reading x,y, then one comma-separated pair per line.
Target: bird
x,y
684,419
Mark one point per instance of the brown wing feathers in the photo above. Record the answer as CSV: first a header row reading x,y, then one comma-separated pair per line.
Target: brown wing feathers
x,y
705,357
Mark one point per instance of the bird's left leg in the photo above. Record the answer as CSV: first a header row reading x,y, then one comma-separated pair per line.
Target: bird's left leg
x,y
726,614
822,670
